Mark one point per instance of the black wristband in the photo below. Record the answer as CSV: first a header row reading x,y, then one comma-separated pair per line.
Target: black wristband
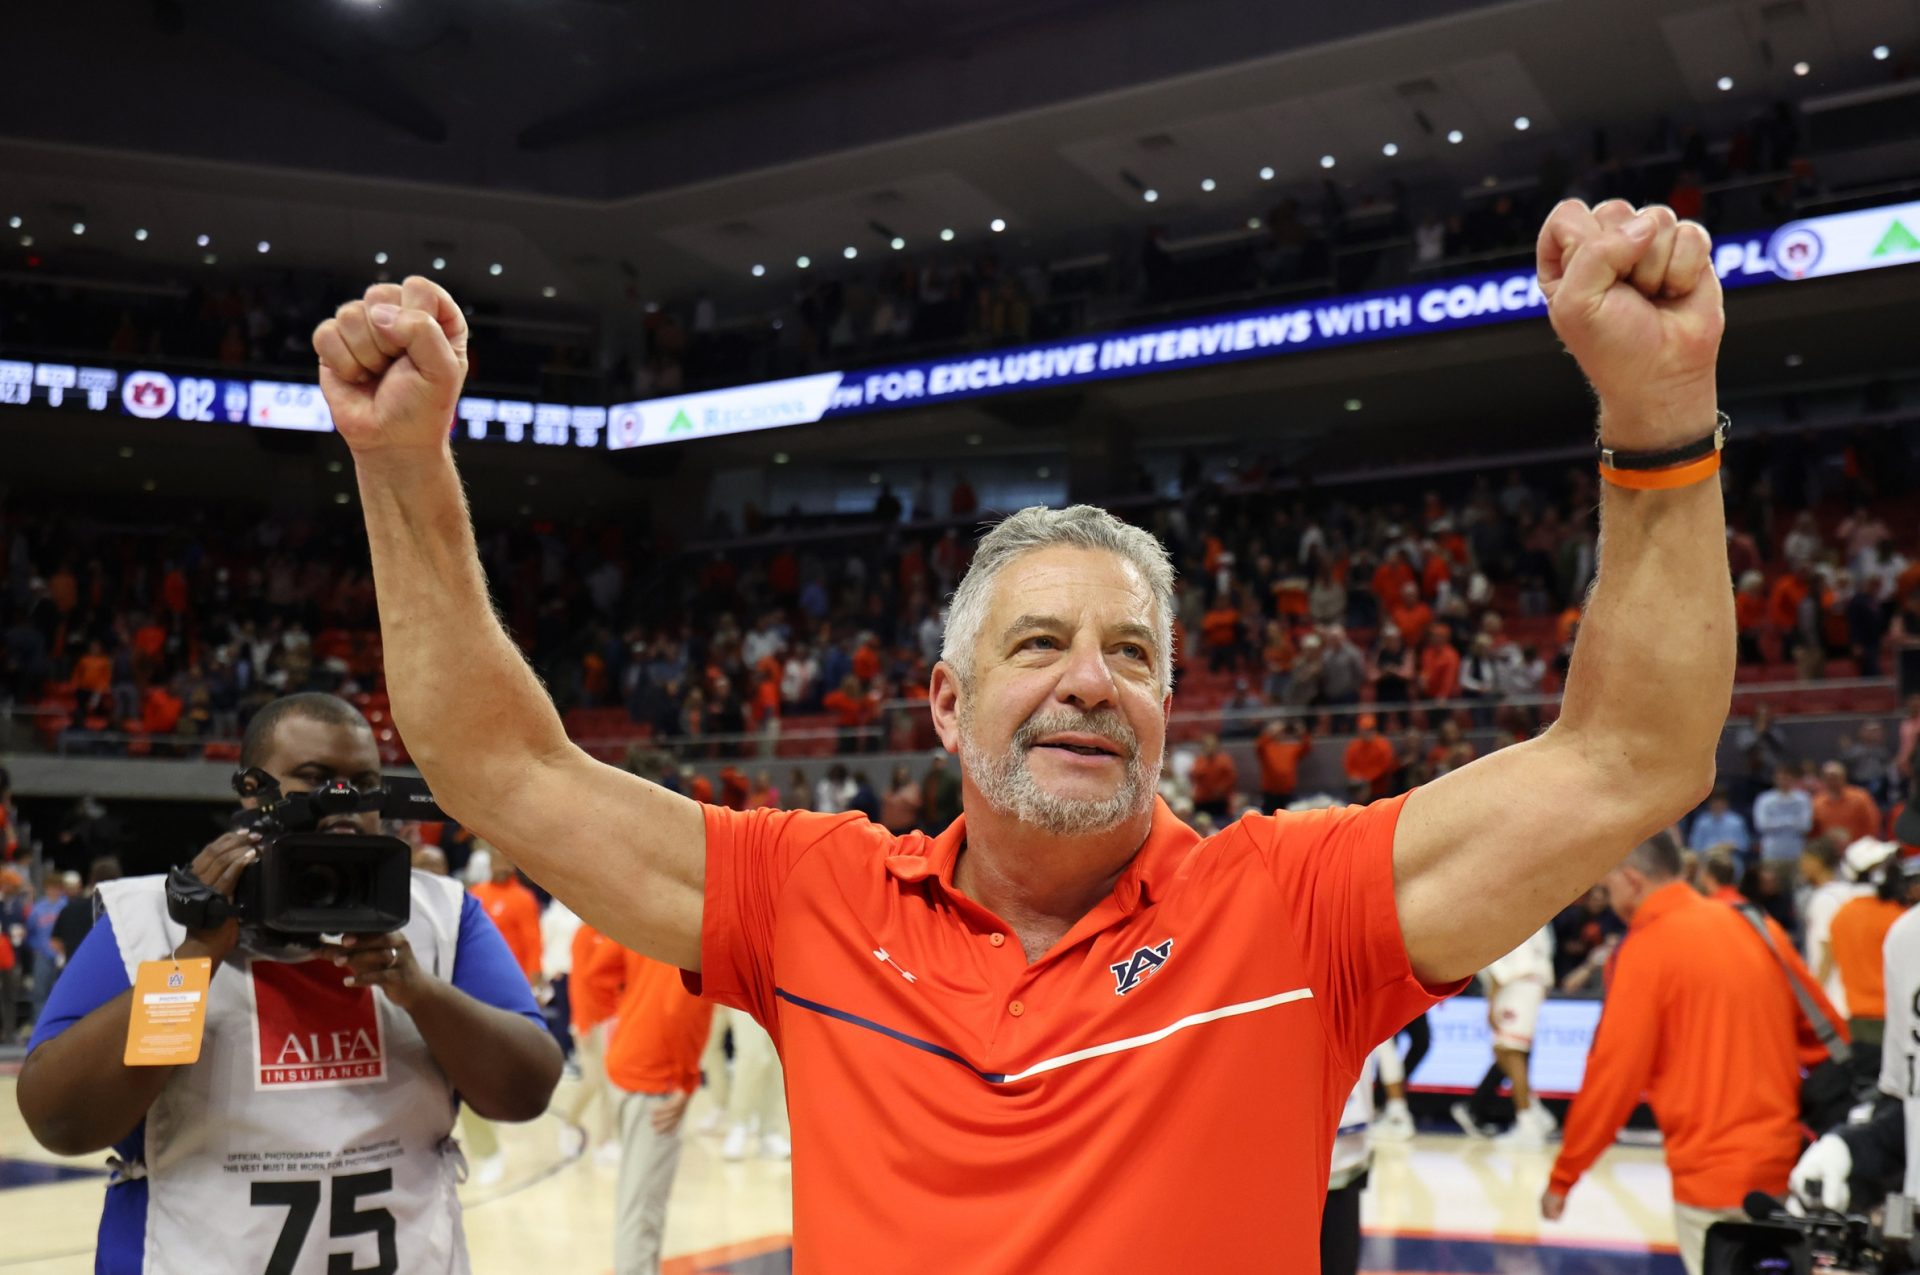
x,y
1613,458
193,903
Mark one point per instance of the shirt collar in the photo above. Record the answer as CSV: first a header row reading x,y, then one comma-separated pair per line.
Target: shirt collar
x,y
1146,879
1668,898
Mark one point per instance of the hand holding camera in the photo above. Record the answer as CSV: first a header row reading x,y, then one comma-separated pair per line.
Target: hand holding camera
x,y
218,868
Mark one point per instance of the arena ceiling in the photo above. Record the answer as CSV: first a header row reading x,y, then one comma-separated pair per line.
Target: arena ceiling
x,y
614,152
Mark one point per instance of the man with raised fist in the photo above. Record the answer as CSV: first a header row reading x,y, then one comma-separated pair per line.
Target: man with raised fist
x,y
1067,1033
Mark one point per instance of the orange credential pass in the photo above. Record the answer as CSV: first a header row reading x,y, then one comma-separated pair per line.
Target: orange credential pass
x,y
169,1012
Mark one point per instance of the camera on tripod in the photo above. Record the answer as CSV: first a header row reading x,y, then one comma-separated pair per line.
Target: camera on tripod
x,y
1777,1242
312,880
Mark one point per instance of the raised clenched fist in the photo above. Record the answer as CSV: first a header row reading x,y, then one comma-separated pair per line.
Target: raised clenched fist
x,y
391,366
1634,297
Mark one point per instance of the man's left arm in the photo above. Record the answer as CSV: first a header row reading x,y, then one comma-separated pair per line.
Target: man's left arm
x,y
1488,853
482,1026
1618,1067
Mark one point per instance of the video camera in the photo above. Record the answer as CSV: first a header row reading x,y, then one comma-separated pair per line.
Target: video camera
x,y
307,882
1777,1242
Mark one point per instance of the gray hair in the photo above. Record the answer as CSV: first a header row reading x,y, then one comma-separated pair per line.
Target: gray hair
x,y
1037,527
1657,858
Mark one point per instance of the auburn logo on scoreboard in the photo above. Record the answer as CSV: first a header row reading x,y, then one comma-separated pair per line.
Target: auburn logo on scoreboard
x,y
311,1030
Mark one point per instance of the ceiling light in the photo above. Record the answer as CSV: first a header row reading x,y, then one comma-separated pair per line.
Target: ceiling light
x,y
496,269
849,252
549,292
439,263
996,225
973,440
1326,161
781,458
1206,184
803,262
262,246
334,467
1794,360
341,498
1253,223
1353,405
79,227
1150,195
1801,68
896,243
149,485
204,240
1043,472
1455,136
1522,123
1724,84
211,258
758,270
26,241
14,222
140,235
1881,53
946,236
126,453
1390,149
379,258
1266,174
874,479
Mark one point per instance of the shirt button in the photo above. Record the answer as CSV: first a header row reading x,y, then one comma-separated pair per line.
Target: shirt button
x,y
998,940
1016,1009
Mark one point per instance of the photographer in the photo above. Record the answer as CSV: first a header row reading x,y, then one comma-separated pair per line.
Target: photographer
x,y
313,1131
1856,1164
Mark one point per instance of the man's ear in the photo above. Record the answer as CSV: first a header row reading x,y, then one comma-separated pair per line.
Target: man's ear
x,y
943,701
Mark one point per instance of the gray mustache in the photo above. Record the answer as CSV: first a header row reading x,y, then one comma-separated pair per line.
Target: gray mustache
x,y
1107,724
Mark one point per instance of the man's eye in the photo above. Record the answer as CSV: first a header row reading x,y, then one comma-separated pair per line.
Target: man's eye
x,y
1035,641
1134,651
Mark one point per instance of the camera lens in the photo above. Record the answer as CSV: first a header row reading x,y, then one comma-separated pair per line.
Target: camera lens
x,y
318,885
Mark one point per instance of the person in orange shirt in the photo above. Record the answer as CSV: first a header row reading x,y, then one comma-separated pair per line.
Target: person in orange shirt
x,y
1370,758
594,985
1858,939
1839,804
653,1063
1750,616
1221,629
1783,607
1411,616
1439,665
1065,1050
1213,777
866,659
93,679
1282,746
514,909
1695,996
1391,578
852,709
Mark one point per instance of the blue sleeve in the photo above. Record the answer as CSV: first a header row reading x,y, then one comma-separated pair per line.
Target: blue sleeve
x,y
484,968
1742,840
93,977
1700,832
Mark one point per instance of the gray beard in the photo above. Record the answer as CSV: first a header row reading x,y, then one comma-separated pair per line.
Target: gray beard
x,y
1008,783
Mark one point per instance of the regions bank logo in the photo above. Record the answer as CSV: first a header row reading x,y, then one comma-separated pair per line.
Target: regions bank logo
x,y
1796,251
1144,961
311,1030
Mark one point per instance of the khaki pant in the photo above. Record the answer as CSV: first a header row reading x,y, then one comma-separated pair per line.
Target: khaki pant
x,y
1690,1230
648,1160
755,1091
591,1105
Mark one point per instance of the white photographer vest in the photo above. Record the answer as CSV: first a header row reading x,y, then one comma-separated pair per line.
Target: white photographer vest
x,y
1351,1154
315,1123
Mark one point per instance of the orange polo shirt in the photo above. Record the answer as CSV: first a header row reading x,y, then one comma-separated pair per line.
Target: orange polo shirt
x,y
1213,776
1111,1106
659,1031
1280,759
516,913
1858,936
599,972
1693,998
1853,810
1372,760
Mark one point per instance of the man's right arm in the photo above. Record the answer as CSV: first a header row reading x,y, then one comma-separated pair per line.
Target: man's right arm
x,y
626,855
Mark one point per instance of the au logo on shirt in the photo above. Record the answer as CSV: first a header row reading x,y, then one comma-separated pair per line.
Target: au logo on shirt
x,y
1144,961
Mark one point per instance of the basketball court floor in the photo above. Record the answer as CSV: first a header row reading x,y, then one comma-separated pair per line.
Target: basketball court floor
x,y
1439,1205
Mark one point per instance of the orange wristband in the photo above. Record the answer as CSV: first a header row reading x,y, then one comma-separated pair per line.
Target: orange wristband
x,y
1664,479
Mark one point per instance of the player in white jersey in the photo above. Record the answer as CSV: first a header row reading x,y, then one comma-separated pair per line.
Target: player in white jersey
x,y
1517,986
313,1133
1883,1154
